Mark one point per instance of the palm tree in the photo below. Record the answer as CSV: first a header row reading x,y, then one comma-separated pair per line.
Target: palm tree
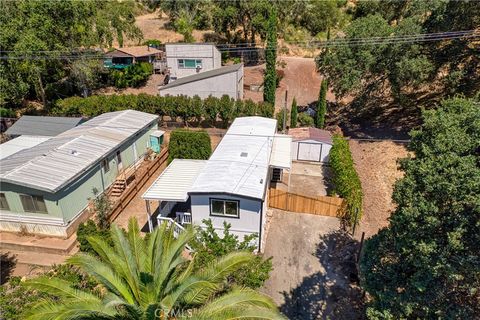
x,y
150,278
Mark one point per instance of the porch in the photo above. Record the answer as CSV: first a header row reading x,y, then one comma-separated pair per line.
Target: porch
x,y
170,190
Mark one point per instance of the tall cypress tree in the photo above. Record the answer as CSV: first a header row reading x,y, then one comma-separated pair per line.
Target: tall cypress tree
x,y
293,114
270,78
321,105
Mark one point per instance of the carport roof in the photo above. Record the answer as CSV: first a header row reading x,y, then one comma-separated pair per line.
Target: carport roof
x,y
175,181
281,151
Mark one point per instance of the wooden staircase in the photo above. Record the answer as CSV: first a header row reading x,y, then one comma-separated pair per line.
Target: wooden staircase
x,y
118,187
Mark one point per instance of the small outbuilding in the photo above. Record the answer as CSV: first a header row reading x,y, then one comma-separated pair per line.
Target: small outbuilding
x,y
311,144
123,57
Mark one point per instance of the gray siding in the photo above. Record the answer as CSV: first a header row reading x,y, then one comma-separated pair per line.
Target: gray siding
x,y
230,84
247,223
209,54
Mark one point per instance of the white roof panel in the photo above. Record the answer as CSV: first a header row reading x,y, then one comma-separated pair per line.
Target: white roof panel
x,y
18,144
175,181
281,151
241,161
54,163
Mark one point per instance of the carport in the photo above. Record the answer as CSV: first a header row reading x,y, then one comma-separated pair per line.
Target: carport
x,y
171,188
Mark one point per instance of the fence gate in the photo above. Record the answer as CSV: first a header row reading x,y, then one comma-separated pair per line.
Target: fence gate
x,y
323,206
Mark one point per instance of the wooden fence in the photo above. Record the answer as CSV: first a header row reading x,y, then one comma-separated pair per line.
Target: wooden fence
x,y
324,206
134,187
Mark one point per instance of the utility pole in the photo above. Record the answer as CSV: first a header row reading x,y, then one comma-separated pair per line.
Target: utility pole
x,y
285,112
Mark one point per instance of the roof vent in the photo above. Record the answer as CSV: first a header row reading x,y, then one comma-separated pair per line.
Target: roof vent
x,y
74,152
244,154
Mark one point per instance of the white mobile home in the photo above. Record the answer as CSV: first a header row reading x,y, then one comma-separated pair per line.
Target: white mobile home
x,y
226,80
185,59
229,187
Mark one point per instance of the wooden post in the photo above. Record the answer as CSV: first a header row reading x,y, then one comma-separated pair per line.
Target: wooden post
x,y
361,247
285,112
149,216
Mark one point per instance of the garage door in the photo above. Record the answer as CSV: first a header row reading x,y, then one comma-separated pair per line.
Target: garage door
x,y
309,151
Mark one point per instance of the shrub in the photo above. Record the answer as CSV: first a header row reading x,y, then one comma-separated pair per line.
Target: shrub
x,y
293,114
185,107
7,113
209,246
188,144
280,115
345,179
305,120
134,75
86,230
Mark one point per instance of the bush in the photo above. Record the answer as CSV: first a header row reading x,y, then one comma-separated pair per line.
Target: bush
x,y
305,120
7,113
188,144
134,75
345,179
185,107
280,115
209,246
322,105
89,229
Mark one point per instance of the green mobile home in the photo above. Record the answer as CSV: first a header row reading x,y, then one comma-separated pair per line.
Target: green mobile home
x,y
46,189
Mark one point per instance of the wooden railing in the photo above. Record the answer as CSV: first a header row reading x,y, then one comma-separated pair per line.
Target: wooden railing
x,y
325,206
141,177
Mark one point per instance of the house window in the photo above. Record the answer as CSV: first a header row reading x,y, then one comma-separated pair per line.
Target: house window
x,y
189,63
119,157
106,165
33,203
226,208
3,202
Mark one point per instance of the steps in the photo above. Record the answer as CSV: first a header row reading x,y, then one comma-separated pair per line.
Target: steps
x,y
118,187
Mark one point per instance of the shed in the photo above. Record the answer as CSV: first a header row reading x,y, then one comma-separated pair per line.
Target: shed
x,y
227,80
123,57
311,144
42,126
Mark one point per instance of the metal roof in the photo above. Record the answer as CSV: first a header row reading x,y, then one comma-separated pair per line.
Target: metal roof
x,y
42,126
136,51
202,76
52,164
241,161
175,181
316,134
281,151
23,142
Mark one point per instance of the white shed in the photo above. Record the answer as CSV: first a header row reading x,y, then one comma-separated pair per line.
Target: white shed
x,y
311,144
186,59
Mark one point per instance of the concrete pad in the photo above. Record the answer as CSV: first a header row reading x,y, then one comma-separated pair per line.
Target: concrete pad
x,y
299,277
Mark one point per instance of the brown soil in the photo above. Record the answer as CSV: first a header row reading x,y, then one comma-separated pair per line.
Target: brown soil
x,y
301,80
151,87
376,164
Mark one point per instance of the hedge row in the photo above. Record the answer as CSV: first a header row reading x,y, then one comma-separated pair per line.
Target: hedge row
x,y
345,178
189,144
183,107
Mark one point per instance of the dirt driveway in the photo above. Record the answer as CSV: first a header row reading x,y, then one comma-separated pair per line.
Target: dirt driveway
x,y
307,282
307,178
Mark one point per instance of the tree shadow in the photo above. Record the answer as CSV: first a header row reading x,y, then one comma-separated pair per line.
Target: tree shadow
x,y
7,264
332,293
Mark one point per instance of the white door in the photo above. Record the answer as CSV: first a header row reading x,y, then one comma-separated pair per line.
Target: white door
x,y
309,151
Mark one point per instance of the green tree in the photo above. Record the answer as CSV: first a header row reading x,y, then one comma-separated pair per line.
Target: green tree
x,y
209,246
40,40
426,264
270,78
321,105
148,278
305,120
403,69
293,114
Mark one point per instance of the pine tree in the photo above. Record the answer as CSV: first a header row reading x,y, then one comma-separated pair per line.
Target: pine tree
x,y
293,114
270,78
321,105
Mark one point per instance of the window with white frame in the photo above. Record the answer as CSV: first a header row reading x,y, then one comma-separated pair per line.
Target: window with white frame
x,y
32,203
189,63
224,208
